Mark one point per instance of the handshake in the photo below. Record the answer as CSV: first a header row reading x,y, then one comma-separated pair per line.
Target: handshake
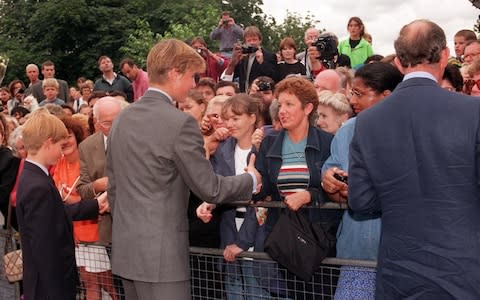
x,y
204,210
103,205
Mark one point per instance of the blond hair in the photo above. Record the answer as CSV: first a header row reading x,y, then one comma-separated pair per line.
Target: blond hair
x,y
41,126
338,102
172,54
217,100
50,82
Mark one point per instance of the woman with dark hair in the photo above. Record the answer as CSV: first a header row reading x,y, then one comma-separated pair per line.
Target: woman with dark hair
x,y
241,114
452,79
194,105
355,47
358,235
17,89
289,64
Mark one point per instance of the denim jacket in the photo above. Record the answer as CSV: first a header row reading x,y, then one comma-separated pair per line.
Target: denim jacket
x,y
358,236
269,161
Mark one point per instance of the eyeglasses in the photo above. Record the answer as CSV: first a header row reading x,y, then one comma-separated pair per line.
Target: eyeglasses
x,y
469,84
470,55
105,124
357,93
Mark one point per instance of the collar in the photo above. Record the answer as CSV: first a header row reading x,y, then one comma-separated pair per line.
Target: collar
x,y
160,91
113,79
419,74
312,142
105,141
44,169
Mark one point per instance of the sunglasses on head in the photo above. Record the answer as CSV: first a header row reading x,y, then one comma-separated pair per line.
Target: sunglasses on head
x,y
469,84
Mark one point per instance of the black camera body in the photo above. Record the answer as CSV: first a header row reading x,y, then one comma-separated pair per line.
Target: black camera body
x,y
246,49
264,86
225,22
327,46
341,178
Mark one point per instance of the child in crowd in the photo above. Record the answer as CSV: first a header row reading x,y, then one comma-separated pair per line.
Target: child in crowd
x,y
45,222
50,90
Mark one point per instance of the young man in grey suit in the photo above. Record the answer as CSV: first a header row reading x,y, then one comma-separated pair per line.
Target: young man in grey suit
x,y
155,156
415,158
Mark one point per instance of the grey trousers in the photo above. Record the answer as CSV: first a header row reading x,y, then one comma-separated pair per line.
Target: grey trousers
x,y
139,290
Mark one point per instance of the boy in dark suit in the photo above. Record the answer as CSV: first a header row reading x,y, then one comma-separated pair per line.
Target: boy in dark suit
x,y
49,269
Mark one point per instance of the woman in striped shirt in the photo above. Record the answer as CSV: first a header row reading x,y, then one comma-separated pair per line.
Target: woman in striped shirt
x,y
290,161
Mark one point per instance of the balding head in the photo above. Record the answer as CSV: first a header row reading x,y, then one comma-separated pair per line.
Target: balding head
x,y
105,110
328,80
311,35
420,42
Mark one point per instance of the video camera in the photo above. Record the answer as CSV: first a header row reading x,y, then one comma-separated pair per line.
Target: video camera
x,y
327,46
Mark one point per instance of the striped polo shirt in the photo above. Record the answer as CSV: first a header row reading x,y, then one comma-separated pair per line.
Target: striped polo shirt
x,y
294,176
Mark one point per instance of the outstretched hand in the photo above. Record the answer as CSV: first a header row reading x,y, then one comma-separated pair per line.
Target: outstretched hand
x,y
204,211
251,169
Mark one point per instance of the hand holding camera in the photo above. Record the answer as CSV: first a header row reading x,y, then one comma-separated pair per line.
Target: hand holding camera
x,y
335,180
225,22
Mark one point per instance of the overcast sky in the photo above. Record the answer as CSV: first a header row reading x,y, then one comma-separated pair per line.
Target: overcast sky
x,y
382,18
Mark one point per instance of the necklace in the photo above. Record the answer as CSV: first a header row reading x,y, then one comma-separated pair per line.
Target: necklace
x,y
299,155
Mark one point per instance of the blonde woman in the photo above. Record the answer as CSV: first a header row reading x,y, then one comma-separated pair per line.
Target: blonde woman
x,y
333,110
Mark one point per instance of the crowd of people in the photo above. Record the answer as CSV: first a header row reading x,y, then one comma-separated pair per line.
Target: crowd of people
x,y
164,152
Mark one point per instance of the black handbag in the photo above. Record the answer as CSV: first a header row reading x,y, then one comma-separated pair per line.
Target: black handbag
x,y
298,244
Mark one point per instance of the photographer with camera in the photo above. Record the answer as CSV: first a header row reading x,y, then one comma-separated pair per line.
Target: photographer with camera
x,y
262,88
227,32
324,54
250,60
311,35
215,64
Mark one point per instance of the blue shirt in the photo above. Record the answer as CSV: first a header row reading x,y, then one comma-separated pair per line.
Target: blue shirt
x,y
358,236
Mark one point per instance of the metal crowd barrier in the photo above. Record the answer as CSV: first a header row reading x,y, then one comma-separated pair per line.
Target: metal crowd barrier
x,y
211,275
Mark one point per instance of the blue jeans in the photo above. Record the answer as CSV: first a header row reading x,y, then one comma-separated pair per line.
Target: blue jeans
x,y
245,285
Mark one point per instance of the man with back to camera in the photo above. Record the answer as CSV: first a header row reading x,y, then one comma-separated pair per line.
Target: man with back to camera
x,y
228,33
414,157
150,175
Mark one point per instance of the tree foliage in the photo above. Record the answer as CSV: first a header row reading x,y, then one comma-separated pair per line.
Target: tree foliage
x,y
73,34
139,42
293,26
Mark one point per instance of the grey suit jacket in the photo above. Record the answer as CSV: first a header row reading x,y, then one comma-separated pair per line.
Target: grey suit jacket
x,y
155,156
92,167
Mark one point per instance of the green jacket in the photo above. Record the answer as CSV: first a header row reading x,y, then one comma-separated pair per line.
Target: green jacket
x,y
357,55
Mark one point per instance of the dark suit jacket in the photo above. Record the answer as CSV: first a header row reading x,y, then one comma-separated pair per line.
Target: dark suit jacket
x,y
415,158
49,269
92,167
267,68
155,156
8,175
